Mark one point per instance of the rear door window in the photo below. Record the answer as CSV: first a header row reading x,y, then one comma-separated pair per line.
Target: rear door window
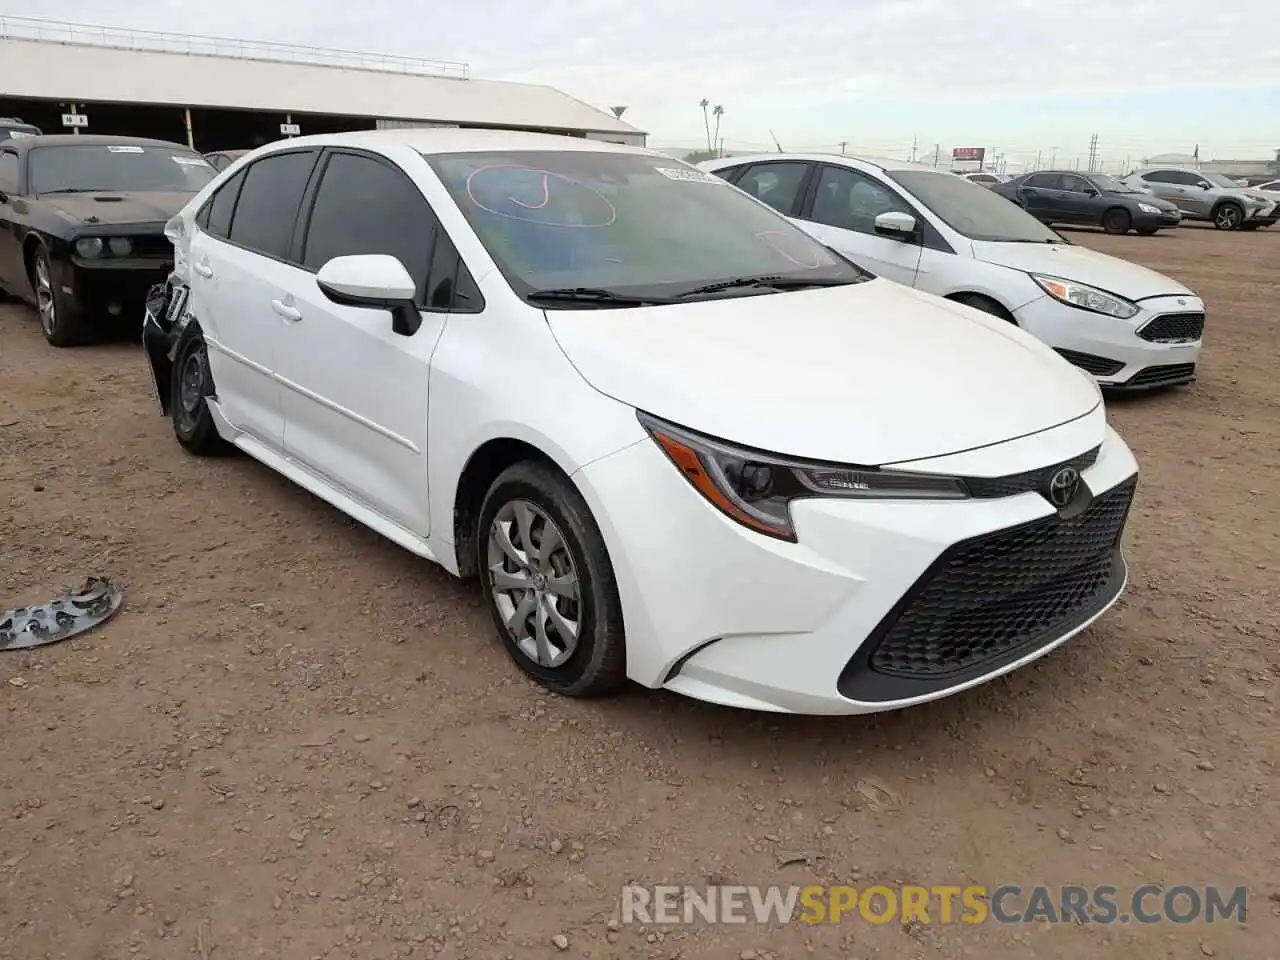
x,y
269,200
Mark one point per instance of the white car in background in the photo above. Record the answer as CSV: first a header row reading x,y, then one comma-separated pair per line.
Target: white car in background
x,y
1130,327
985,178
677,439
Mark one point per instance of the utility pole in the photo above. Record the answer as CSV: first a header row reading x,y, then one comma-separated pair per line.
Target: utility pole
x,y
1037,166
937,153
915,143
1093,153
843,144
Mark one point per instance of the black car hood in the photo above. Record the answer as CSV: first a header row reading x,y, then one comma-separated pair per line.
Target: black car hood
x,y
120,207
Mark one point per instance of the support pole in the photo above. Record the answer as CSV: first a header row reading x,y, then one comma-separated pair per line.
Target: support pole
x,y
186,119
75,131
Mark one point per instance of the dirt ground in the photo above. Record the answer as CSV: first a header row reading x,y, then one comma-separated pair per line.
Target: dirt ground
x,y
298,741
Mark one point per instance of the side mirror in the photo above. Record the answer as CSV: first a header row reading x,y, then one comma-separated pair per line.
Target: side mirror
x,y
1204,185
1091,192
894,223
375,281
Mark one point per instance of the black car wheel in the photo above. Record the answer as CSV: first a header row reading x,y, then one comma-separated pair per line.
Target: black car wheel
x,y
1228,216
548,582
190,386
1117,221
61,326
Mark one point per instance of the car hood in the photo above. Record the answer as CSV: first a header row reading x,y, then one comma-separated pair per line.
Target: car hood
x,y
1081,264
871,373
118,207
1262,195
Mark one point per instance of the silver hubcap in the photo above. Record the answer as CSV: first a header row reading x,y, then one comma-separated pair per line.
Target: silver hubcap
x,y
44,296
191,386
1227,218
534,581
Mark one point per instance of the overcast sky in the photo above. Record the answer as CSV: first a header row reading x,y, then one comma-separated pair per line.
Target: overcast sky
x,y
1019,76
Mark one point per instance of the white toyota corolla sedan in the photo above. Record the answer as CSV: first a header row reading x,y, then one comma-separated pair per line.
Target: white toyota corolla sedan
x,y
1132,328
676,438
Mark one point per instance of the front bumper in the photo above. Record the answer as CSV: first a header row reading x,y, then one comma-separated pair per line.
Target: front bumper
x,y
1158,347
719,613
1156,221
100,289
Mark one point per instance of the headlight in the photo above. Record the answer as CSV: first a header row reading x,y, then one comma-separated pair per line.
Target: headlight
x,y
120,246
89,247
1148,208
756,489
1086,298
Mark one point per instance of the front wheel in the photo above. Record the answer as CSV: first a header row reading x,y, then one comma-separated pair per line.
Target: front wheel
x,y
1116,221
1228,216
549,584
190,386
61,326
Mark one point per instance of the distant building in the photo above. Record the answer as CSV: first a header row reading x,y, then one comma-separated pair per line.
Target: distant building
x,y
1236,169
216,94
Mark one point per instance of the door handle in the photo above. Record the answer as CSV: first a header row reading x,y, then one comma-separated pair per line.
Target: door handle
x,y
292,314
203,269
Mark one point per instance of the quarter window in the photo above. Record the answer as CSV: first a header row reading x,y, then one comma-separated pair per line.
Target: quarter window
x,y
269,201
776,183
8,170
851,201
1161,176
215,217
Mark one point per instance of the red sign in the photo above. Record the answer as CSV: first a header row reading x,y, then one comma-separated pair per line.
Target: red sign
x,y
969,153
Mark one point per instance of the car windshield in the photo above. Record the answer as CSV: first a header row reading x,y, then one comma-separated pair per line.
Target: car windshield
x,y
1218,180
1111,184
117,167
974,211
599,227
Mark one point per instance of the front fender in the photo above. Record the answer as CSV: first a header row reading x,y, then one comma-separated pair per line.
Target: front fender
x,y
163,335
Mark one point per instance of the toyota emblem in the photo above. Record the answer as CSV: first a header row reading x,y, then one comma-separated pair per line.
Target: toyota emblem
x,y
1063,486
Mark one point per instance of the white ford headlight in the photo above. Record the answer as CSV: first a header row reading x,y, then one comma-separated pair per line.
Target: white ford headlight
x,y
1086,297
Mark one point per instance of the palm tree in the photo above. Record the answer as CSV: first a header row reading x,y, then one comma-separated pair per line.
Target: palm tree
x,y
719,112
706,121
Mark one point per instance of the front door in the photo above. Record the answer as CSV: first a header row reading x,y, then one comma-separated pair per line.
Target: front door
x,y
355,391
841,213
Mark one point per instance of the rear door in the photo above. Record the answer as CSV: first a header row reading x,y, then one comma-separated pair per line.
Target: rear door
x,y
1039,196
11,266
779,183
354,390
1080,201
841,210
239,257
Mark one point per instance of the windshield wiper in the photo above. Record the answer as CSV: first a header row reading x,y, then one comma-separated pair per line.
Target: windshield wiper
x,y
45,193
767,283
598,296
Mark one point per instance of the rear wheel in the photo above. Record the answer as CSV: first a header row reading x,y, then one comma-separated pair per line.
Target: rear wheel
x,y
191,385
1117,221
548,582
61,326
1228,216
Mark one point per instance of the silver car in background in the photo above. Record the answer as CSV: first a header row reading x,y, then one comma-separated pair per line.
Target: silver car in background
x,y
1208,196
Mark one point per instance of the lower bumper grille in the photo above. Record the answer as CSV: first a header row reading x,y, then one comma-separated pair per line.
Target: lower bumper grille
x,y
1174,328
1167,375
1098,366
988,601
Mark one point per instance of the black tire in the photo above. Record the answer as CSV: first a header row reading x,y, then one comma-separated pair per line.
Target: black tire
x,y
59,322
985,304
190,384
1228,215
597,664
1117,221
1149,232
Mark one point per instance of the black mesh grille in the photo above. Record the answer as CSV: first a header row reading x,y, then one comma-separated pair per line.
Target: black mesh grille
x,y
1098,366
1168,374
999,596
988,488
1174,328
158,247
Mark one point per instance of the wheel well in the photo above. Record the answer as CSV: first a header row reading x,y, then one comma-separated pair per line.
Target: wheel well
x,y
29,255
972,300
489,460
1110,210
1228,202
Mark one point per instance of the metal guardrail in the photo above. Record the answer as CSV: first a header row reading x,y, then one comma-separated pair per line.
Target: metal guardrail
x,y
83,34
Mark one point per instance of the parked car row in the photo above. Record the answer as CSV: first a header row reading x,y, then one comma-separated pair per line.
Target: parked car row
x,y
1210,197
1130,327
405,323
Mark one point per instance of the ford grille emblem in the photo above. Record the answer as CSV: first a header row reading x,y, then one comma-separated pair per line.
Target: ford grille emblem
x,y
1063,486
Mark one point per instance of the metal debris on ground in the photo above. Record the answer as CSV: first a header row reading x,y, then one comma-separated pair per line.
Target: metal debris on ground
x,y
63,617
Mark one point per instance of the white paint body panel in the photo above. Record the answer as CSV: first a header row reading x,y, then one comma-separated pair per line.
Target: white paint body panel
x,y
382,426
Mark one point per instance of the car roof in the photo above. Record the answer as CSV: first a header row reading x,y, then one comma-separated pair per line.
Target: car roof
x,y
436,140
855,161
93,140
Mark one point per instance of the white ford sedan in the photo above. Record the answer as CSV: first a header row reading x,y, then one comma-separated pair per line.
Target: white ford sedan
x,y
677,439
1132,328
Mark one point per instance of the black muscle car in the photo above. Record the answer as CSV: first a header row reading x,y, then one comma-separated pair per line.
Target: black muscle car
x,y
1089,199
82,224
